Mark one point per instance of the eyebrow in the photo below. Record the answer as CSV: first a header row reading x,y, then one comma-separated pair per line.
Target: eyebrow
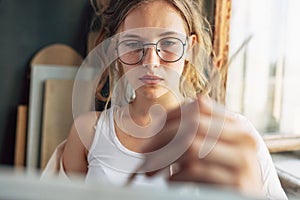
x,y
168,33
130,36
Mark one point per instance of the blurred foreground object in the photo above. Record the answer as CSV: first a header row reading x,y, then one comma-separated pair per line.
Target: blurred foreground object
x,y
18,185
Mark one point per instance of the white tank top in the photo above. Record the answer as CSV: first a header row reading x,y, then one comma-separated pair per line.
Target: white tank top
x,y
110,161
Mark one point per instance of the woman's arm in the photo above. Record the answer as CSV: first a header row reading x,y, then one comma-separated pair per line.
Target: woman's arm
x,y
78,144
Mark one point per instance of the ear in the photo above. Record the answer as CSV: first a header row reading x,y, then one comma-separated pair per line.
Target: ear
x,y
191,41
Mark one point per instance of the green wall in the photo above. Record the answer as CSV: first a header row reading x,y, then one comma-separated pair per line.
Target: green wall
x,y
25,27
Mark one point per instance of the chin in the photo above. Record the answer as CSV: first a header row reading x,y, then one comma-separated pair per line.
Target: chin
x,y
152,92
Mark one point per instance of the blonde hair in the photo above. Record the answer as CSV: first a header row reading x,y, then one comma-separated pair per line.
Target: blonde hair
x,y
113,12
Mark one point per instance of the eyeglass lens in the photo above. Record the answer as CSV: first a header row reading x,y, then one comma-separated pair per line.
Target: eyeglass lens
x,y
168,49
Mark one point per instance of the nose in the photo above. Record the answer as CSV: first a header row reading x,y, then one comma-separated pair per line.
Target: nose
x,y
150,57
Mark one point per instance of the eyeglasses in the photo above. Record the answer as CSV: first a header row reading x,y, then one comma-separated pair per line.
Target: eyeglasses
x,y
169,49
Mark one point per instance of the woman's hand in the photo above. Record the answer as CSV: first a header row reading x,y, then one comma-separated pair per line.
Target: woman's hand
x,y
219,148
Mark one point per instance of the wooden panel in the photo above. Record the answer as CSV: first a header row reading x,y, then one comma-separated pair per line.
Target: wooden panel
x,y
57,116
20,150
221,43
57,54
39,74
57,113
281,143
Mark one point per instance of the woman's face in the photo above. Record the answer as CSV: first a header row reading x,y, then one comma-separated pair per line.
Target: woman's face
x,y
150,71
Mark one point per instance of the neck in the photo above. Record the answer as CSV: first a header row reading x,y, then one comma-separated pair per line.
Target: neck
x,y
141,105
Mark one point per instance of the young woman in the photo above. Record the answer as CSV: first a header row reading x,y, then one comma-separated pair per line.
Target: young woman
x,y
167,127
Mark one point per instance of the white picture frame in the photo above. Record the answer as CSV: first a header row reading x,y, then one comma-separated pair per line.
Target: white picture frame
x,y
39,74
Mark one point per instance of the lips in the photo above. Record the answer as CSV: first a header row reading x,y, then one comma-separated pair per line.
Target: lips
x,y
148,79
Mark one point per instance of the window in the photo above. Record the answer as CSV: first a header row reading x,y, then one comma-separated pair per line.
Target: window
x,y
264,77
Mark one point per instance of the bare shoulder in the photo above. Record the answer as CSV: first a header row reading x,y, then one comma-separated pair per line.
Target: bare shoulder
x,y
78,143
84,128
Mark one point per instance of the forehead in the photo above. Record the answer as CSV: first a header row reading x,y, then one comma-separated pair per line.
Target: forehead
x,y
160,15
150,34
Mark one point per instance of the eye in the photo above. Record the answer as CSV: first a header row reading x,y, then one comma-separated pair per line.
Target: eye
x,y
169,42
132,44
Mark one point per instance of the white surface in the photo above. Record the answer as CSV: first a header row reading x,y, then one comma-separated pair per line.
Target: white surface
x,y
28,186
291,167
288,165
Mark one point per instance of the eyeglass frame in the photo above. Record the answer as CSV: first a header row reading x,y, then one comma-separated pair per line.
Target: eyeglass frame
x,y
156,49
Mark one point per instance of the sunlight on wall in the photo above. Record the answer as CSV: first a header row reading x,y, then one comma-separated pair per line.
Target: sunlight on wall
x,y
264,79
291,89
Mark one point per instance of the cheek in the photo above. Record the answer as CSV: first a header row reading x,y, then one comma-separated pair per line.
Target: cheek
x,y
178,67
173,73
125,67
128,71
132,73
